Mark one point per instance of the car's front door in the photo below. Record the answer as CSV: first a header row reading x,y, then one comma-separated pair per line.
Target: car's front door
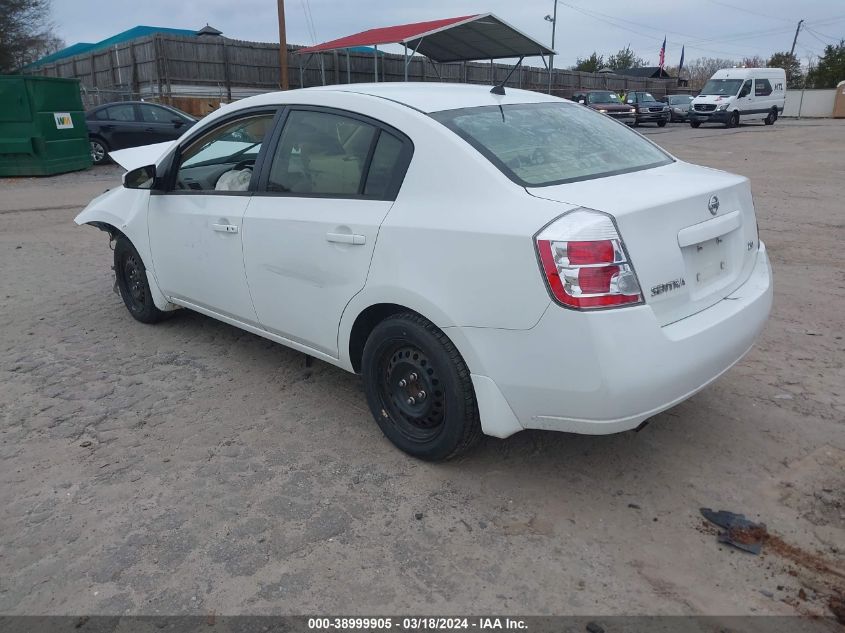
x,y
160,124
195,223
310,230
745,100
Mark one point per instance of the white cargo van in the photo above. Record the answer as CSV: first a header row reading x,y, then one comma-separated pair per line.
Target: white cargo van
x,y
735,95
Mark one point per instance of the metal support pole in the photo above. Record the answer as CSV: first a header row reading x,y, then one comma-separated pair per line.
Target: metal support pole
x,y
301,77
375,62
405,46
322,69
552,55
283,48
348,72
492,78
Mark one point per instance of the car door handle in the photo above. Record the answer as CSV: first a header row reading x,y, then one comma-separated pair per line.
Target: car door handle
x,y
225,228
346,238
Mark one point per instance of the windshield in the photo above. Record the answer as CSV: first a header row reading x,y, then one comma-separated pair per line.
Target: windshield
x,y
603,97
539,144
721,87
680,100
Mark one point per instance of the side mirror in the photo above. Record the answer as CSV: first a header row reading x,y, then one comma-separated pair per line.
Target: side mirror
x,y
140,178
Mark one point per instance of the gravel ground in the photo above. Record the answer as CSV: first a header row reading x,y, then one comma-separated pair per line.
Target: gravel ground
x,y
190,467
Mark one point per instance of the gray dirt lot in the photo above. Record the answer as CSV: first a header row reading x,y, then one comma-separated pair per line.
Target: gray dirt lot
x,y
190,467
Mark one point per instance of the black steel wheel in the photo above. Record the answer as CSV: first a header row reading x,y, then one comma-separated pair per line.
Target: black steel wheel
x,y
419,388
133,284
771,117
734,120
99,151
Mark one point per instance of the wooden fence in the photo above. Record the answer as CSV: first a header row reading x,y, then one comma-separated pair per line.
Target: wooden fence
x,y
199,73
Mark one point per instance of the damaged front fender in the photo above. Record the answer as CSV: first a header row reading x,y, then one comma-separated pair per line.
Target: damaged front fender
x,y
124,211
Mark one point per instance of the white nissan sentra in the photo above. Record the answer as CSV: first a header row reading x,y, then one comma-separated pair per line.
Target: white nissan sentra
x,y
488,263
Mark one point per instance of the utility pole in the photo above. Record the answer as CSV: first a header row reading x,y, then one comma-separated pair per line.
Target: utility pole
x,y
283,48
553,19
795,39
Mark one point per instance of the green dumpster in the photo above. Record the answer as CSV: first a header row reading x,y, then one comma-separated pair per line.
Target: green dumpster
x,y
42,126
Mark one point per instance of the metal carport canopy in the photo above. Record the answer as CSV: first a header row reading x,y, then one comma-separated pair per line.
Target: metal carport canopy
x,y
465,38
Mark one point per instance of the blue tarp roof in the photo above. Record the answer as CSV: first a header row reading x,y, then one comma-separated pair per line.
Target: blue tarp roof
x,y
130,34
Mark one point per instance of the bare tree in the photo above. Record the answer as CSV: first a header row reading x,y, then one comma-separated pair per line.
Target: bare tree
x,y
26,33
701,69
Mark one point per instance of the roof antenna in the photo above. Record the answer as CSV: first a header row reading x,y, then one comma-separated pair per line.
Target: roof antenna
x,y
499,89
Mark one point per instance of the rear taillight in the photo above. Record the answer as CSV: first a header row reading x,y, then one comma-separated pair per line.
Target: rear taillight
x,y
585,263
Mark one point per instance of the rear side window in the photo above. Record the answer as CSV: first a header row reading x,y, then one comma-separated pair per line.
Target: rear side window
x,y
121,113
385,166
762,88
540,144
321,154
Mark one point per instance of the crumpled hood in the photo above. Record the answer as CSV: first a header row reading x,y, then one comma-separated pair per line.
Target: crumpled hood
x,y
142,156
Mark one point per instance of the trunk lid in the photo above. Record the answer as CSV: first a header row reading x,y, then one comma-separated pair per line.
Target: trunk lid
x,y
686,257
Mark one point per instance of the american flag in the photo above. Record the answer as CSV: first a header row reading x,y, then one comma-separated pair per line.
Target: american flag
x,y
663,53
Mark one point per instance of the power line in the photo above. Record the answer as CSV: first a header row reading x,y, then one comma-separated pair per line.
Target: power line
x,y
763,15
612,21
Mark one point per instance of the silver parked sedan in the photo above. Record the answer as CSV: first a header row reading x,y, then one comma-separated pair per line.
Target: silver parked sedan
x,y
678,107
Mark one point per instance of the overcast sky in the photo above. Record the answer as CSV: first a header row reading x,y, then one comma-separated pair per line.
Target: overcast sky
x,y
709,28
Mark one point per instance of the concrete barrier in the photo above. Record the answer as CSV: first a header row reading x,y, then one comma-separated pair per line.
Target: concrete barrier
x,y
809,103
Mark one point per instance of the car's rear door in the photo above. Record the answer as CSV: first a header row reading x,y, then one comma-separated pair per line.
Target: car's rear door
x,y
195,222
310,230
121,128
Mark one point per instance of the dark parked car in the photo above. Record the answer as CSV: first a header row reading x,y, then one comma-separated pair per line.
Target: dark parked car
x,y
132,123
649,109
608,102
679,106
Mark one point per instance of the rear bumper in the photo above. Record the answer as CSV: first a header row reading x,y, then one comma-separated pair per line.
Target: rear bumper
x,y
608,371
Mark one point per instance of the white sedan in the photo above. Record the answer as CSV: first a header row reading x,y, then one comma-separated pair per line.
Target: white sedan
x,y
489,263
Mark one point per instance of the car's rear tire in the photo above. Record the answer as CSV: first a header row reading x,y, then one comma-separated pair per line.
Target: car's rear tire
x,y
419,388
133,283
734,120
695,124
661,123
771,117
99,150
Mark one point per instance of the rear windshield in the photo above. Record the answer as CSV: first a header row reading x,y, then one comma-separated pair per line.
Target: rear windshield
x,y
540,144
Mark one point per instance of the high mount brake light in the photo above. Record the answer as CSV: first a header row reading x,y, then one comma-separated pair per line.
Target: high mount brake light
x,y
585,263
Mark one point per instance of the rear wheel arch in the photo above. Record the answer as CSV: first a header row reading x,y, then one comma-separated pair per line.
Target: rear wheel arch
x,y
365,323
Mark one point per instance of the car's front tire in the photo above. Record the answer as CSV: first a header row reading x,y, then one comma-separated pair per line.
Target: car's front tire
x,y
695,124
419,388
661,123
133,283
734,120
99,150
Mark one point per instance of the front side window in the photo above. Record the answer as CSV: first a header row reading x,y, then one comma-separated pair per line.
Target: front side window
x,y
746,89
154,114
223,159
539,144
721,87
321,154
122,113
